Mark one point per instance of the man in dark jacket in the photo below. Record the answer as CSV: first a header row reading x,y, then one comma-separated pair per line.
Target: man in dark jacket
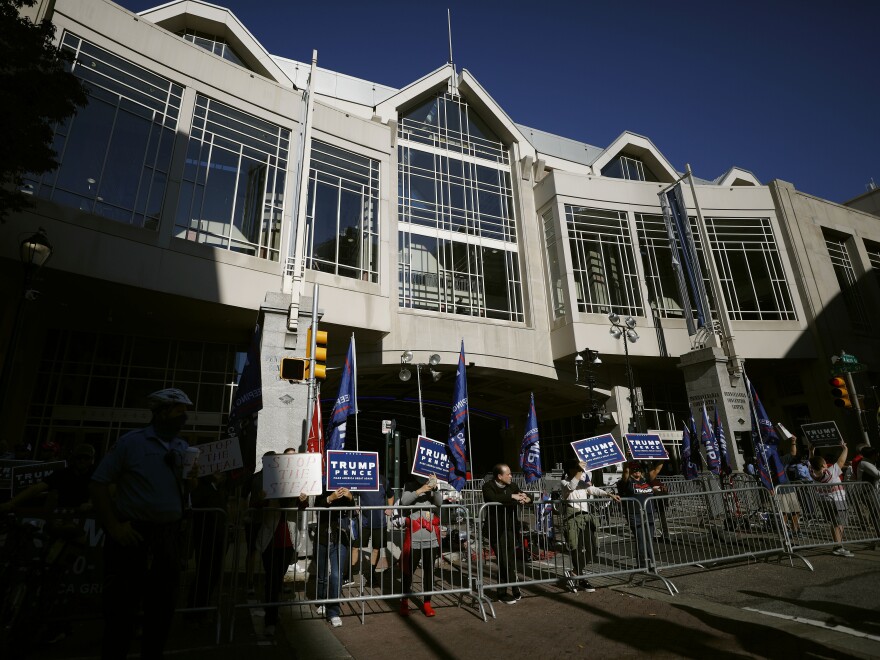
x,y
502,524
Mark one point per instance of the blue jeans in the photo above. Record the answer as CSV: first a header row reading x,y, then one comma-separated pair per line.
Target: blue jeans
x,y
644,546
332,560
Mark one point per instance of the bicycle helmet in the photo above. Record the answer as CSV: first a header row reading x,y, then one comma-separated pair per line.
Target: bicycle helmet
x,y
168,397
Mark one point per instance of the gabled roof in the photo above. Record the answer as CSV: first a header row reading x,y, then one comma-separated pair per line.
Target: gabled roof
x,y
467,85
737,176
642,148
218,21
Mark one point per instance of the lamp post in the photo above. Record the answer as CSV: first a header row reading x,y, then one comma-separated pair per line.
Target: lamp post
x,y
34,251
405,374
593,417
626,329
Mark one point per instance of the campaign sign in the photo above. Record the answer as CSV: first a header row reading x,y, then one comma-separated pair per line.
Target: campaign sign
x,y
288,475
599,451
219,456
28,475
355,470
646,446
822,434
431,458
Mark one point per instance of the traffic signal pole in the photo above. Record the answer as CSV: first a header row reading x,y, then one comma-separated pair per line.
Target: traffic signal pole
x,y
850,385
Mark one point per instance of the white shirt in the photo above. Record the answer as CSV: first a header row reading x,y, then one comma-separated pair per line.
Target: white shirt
x,y
578,496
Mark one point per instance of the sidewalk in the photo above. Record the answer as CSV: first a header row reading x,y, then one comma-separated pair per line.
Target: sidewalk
x,y
758,610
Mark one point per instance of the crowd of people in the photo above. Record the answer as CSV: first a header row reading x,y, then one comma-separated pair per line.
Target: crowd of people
x,y
143,487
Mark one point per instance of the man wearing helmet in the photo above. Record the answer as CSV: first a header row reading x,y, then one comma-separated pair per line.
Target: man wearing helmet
x,y
142,526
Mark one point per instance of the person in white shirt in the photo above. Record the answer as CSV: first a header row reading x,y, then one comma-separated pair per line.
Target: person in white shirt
x,y
581,522
832,498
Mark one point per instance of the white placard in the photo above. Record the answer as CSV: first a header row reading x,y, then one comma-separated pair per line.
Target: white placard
x,y
288,475
220,456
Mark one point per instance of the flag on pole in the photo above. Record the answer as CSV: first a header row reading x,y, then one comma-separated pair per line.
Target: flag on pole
x,y
530,452
696,456
346,402
315,443
246,403
722,445
688,467
764,442
455,445
709,444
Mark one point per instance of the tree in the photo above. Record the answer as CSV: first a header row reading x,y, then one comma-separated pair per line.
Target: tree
x,y
37,90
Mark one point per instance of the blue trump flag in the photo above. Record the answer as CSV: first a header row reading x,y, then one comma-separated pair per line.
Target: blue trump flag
x,y
696,456
688,468
764,442
246,403
709,444
722,445
346,402
456,444
530,452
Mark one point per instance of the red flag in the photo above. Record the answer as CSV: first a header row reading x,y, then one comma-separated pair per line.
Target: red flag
x,y
316,433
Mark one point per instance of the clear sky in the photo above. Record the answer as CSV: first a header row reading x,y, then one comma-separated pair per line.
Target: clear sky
x,y
786,89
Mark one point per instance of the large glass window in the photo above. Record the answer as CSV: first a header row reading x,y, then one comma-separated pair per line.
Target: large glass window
x,y
557,301
664,293
458,243
232,193
750,269
115,152
846,278
873,250
214,44
603,262
628,167
342,229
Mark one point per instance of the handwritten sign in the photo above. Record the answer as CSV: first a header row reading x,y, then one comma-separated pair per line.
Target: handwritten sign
x,y
646,446
28,475
430,458
220,456
599,451
355,470
288,475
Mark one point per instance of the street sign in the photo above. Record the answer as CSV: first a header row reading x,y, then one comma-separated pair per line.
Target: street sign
x,y
849,359
847,368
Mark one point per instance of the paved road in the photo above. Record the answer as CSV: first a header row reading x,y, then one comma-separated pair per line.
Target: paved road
x,y
758,610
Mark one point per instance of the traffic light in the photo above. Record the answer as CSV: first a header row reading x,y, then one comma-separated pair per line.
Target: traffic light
x,y
294,369
839,392
320,352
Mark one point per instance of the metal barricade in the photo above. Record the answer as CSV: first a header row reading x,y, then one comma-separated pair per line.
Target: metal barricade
x,y
328,569
745,526
836,515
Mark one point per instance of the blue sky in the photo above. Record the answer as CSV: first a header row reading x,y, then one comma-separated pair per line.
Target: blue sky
x,y
787,90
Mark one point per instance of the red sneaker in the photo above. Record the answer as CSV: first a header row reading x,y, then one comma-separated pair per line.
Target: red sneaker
x,y
403,610
428,610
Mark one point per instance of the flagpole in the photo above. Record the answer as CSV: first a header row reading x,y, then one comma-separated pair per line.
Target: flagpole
x,y
470,461
354,373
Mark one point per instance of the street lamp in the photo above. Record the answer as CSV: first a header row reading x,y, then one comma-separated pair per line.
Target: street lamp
x,y
594,416
34,251
626,329
405,374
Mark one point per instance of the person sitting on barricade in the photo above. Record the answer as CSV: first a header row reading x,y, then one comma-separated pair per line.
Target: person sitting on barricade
x,y
832,498
634,485
421,540
503,525
331,550
581,523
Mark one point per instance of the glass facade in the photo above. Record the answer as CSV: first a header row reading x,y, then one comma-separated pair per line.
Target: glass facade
x,y
342,224
232,192
458,251
214,44
115,153
628,167
603,261
92,387
846,278
554,272
750,269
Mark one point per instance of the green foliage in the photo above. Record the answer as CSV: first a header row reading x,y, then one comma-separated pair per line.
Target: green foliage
x,y
37,90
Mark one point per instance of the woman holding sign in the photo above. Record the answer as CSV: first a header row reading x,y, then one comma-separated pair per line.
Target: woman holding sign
x,y
421,541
